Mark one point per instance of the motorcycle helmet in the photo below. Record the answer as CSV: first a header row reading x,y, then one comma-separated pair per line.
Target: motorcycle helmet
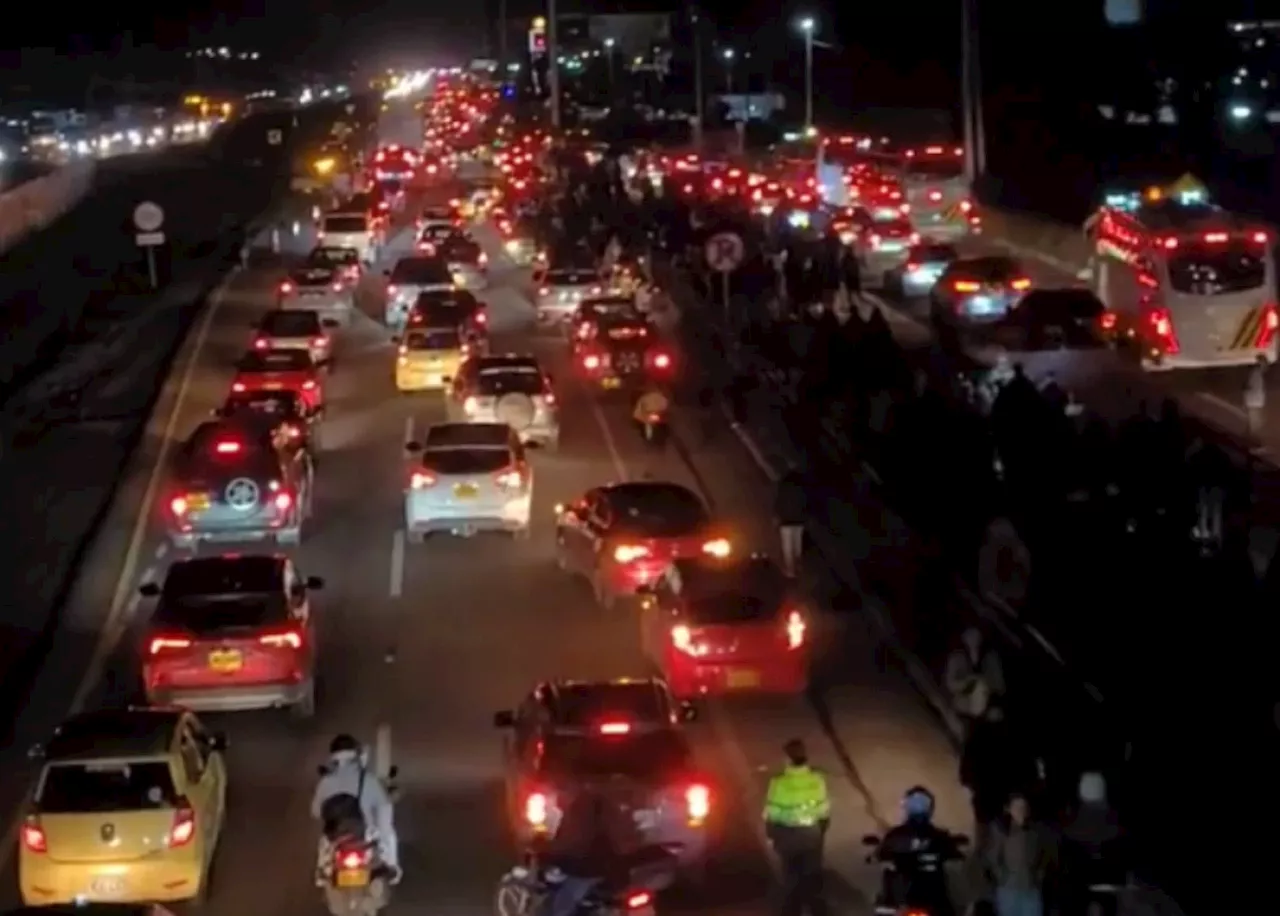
x,y
918,804
1092,789
343,743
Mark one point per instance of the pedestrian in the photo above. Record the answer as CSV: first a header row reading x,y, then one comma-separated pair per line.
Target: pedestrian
x,y
790,510
1016,859
797,814
974,676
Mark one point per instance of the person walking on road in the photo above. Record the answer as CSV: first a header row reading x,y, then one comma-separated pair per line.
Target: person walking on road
x,y
797,813
1016,859
790,508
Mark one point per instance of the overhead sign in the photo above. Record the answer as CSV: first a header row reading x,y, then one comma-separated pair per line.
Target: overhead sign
x,y
275,137
725,251
148,217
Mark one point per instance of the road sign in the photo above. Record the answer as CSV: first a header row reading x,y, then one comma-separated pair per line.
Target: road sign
x,y
150,239
275,137
725,251
148,217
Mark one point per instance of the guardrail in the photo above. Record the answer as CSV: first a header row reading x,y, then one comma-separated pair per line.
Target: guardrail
x,y
32,206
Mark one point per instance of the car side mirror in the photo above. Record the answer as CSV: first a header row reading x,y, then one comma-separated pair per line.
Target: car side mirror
x,y
149,590
217,742
504,719
688,712
413,447
315,583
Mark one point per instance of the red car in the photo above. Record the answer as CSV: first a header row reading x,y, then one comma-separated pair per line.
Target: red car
x,y
624,536
726,626
280,370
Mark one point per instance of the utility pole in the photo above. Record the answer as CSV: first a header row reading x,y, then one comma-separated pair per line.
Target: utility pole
x,y
698,91
553,65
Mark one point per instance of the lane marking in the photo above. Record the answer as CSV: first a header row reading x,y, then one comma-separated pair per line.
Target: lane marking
x,y
396,585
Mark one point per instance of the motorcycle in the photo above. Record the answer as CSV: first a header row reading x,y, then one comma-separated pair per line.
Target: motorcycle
x,y
655,429
920,890
349,871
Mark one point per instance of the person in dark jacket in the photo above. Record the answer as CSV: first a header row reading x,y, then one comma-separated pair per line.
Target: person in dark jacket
x,y
592,845
790,510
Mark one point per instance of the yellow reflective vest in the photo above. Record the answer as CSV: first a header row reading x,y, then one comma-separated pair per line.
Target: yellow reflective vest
x,y
797,797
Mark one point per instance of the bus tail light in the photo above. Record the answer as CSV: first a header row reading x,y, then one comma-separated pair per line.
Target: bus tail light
x,y
1270,324
1161,323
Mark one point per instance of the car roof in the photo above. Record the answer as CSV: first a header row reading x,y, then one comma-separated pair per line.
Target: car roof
x,y
223,574
468,435
506,361
107,733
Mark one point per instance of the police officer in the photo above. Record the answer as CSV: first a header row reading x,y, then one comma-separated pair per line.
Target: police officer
x,y
797,812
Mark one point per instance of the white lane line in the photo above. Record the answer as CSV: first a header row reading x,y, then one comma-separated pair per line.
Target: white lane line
x,y
120,609
396,584
610,444
408,430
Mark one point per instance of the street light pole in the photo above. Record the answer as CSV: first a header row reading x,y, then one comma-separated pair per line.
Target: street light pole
x,y
807,26
553,65
728,71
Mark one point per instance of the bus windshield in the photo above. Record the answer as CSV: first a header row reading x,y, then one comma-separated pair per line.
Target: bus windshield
x,y
1218,272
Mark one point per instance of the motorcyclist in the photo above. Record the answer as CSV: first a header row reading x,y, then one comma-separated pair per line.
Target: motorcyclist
x,y
1093,844
918,852
348,778
651,403
592,843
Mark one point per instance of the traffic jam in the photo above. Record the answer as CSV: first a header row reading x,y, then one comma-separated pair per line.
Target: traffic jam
x,y
559,605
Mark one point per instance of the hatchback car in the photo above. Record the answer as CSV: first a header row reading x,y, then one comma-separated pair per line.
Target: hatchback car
x,y
725,626
325,288
232,482
280,370
232,633
978,291
512,390
466,260
470,314
561,289
296,329
128,807
465,478
409,279
623,352
883,245
623,536
429,358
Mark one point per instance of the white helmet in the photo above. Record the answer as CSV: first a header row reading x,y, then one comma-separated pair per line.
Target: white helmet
x,y
1093,788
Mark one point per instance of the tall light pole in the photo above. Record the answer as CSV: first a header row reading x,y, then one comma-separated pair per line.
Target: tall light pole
x,y
553,65
608,53
728,55
808,26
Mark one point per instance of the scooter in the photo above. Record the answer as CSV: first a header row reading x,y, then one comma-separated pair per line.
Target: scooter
x,y
353,879
655,430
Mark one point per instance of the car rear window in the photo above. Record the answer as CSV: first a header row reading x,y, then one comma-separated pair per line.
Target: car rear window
x,y
1217,272
421,272
204,614
603,309
280,404
433,339
220,575
657,510
569,277
453,461
584,706
291,323
932,254
635,756
277,361
74,788
497,382
736,593
991,269
346,224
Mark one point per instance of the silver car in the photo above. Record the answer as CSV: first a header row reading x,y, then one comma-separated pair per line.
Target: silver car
x,y
295,329
512,390
562,289
467,261
410,278
467,478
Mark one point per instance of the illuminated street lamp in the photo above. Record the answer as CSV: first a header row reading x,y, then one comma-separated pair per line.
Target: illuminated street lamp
x,y
808,26
728,54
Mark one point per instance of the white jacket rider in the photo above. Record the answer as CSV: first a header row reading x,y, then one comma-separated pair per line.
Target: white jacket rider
x,y
348,773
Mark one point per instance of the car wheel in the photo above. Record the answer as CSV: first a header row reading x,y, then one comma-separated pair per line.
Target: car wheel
x,y
306,708
605,598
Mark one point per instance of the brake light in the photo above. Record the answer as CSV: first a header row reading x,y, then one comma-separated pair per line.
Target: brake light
x,y
639,900
591,361
1021,284
483,259
337,287
319,341
33,838
309,385
795,630
615,728
178,506
542,291
1260,238
482,317
352,859
392,289
935,196
914,238
286,287
682,639
238,387
184,826
420,480
875,240
510,479
662,361
967,286
227,448
290,639
1216,238
629,553
261,344
698,801
283,502
536,808
1162,326
1270,324
719,547
966,206
1108,321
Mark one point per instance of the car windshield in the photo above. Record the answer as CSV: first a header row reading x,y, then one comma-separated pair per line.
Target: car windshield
x,y
509,380
346,224
635,756
610,308
74,788
291,323
464,461
733,593
657,509
433,339
1217,272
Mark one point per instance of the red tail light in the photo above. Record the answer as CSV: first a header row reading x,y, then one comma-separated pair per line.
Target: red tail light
x,y
1108,321
482,317
227,448
912,267
966,286
591,361
420,480
184,826
238,387
1161,323
509,479
542,291
682,639
309,385
391,289
661,361
351,859
262,344
33,838
537,808
1261,238
639,900
629,553
289,639
167,643
697,800
337,287
178,506
286,287
914,238
319,341
1021,284
283,502
796,629
1270,324
966,206
1216,238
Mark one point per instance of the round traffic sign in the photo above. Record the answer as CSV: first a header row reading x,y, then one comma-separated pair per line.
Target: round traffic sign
x,y
725,251
148,217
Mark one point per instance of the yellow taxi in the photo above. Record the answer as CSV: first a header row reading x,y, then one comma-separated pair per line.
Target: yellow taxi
x,y
128,808
430,358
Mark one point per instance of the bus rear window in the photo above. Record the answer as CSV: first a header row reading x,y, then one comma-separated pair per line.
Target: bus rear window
x,y
1217,272
939,169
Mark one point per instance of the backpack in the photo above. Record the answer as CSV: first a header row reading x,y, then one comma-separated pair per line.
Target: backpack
x,y
342,814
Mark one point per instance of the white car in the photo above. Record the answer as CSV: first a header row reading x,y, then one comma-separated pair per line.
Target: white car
x,y
466,478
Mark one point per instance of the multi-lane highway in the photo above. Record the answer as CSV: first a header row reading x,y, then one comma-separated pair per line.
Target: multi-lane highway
x,y
473,623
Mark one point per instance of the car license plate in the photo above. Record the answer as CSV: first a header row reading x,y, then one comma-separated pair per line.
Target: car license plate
x,y
739,678
314,292
198,501
353,877
466,491
107,886
225,661
982,305
890,246
273,386
612,382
